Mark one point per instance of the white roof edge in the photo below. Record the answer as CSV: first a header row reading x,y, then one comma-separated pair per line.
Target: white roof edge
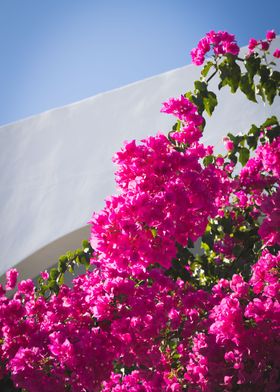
x,y
92,97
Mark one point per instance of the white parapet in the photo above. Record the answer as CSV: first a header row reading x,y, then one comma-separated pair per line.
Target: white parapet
x,y
56,167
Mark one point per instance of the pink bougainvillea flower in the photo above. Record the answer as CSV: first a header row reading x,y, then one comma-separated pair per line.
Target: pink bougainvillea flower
x,y
253,43
183,109
264,45
270,35
11,279
45,275
229,145
276,53
220,41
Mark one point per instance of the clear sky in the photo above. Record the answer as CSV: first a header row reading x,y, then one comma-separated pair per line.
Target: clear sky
x,y
55,52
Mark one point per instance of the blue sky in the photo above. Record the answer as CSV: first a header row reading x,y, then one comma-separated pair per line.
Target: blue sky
x,y
55,52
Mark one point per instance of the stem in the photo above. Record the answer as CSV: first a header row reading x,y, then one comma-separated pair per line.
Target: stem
x,y
210,77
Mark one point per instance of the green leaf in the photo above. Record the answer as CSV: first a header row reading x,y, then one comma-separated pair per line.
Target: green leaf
x,y
247,87
198,101
227,225
264,72
200,86
236,139
208,160
224,74
270,122
53,286
70,255
233,158
54,274
62,266
234,79
244,155
85,261
206,68
210,102
178,125
230,75
260,91
230,58
79,252
231,137
153,231
254,130
85,244
270,89
208,239
252,141
276,76
188,95
44,288
273,133
60,280
252,64
205,246
62,263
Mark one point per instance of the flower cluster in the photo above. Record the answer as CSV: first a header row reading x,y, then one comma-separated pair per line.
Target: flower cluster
x,y
241,346
270,228
263,44
269,155
186,112
167,197
145,327
72,340
220,41
151,315
264,169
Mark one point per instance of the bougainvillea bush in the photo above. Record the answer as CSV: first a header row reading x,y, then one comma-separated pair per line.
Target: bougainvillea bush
x,y
181,289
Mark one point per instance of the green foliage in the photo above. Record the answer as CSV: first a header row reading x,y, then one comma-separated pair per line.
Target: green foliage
x,y
252,64
205,267
243,144
247,87
204,99
66,263
230,74
210,102
244,155
207,68
208,160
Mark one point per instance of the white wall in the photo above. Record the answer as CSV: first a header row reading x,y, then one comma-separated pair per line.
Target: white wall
x,y
55,168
